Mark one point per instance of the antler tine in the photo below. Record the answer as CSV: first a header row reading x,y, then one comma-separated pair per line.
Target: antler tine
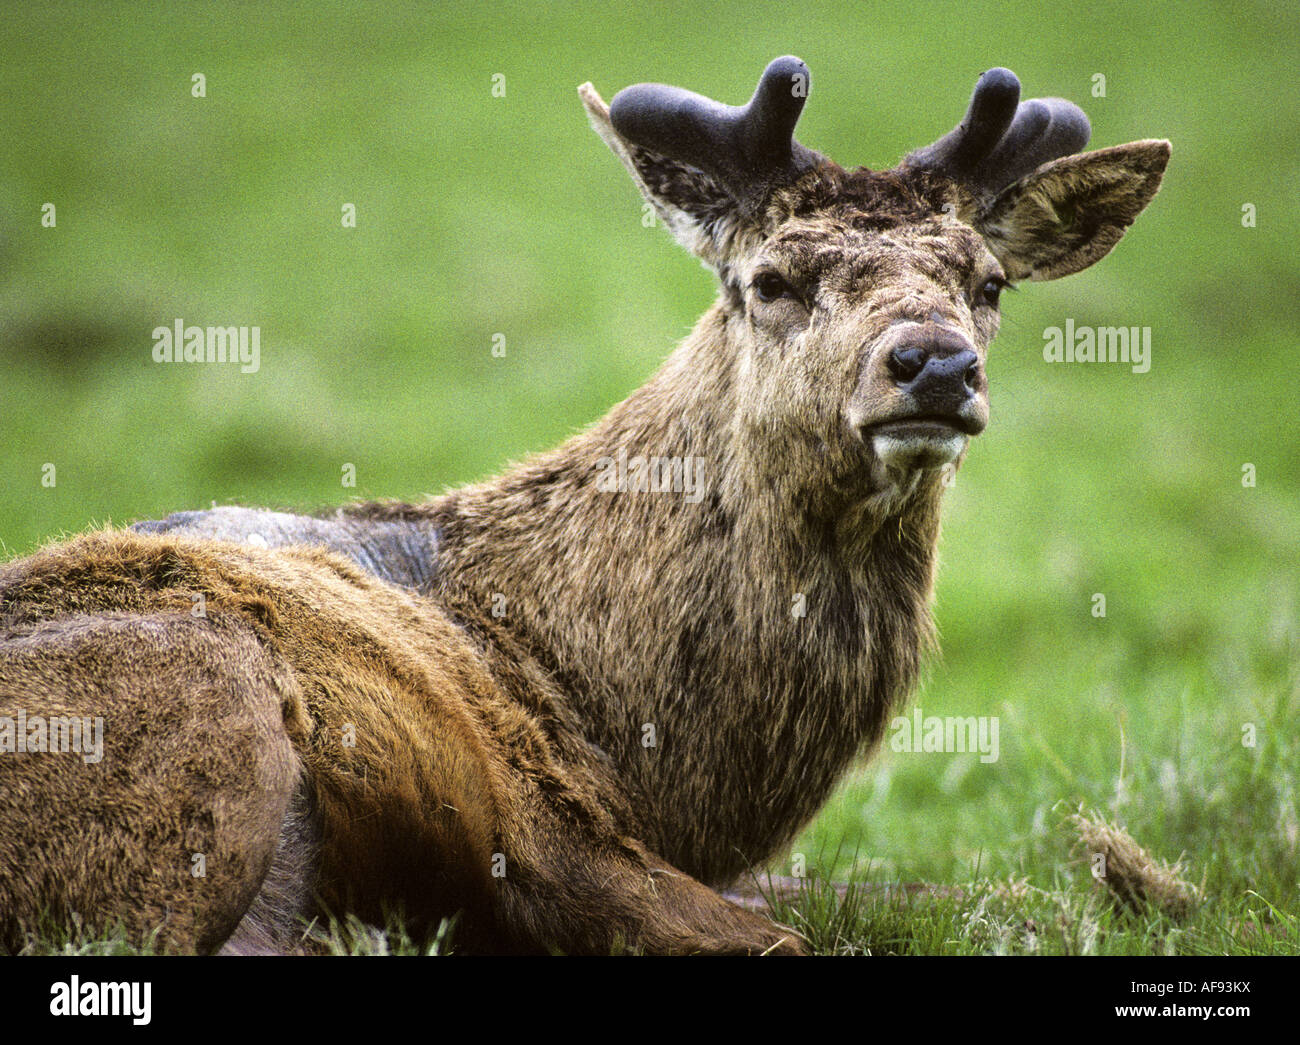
x,y
748,149
1001,139
991,110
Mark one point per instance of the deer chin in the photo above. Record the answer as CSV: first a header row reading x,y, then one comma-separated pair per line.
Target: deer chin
x,y
916,445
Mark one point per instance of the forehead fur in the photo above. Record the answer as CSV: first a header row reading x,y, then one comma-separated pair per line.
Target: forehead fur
x,y
871,200
870,220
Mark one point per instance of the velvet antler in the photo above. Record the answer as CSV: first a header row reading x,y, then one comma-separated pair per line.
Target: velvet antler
x,y
1001,139
748,149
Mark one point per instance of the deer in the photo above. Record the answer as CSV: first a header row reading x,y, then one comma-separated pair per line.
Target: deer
x,y
563,711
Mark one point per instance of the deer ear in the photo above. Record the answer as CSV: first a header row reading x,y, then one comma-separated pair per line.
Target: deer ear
x,y
699,213
1070,212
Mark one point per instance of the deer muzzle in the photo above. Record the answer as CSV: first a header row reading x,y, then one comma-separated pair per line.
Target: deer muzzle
x,y
922,396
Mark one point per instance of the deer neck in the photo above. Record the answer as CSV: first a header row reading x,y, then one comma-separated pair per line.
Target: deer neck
x,y
728,648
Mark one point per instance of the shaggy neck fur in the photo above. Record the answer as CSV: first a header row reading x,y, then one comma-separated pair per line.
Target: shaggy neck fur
x,y
731,656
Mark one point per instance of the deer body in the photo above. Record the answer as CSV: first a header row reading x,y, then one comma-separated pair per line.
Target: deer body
x,y
573,709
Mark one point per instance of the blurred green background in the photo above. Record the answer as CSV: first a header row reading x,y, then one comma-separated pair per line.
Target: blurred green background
x,y
480,215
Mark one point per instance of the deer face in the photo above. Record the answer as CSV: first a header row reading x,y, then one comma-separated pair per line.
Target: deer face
x,y
860,304
864,316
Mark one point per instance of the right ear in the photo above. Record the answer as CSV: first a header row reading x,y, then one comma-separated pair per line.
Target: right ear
x,y
1070,212
699,213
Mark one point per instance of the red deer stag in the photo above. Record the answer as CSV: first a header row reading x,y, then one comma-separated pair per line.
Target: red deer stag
x,y
572,701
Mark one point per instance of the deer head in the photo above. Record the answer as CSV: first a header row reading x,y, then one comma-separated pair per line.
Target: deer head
x,y
858,304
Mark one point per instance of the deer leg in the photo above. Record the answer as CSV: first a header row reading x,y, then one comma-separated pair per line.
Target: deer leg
x,y
580,888
163,830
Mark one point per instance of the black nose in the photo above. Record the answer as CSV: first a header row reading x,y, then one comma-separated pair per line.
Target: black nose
x,y
938,371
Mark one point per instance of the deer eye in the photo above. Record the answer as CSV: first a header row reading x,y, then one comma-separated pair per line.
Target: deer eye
x,y
769,287
991,291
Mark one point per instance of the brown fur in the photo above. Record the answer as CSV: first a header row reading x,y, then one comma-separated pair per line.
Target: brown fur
x,y
319,731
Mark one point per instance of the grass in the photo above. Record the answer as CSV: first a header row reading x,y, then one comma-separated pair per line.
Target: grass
x,y
480,216
346,937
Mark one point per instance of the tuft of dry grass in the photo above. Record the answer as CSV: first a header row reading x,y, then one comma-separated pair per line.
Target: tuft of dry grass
x,y
1132,878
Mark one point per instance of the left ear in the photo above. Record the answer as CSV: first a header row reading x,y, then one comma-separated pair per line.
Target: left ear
x,y
1070,212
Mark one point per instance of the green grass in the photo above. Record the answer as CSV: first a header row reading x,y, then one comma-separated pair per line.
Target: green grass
x,y
482,215
338,937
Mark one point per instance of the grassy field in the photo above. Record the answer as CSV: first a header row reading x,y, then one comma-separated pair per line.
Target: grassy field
x,y
480,216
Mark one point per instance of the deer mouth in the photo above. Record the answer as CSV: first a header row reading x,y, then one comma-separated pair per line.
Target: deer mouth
x,y
926,426
909,443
